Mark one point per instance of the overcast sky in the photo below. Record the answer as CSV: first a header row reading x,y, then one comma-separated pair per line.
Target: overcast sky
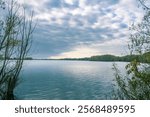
x,y
81,28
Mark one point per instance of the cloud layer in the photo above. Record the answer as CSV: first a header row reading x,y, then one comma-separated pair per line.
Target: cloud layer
x,y
80,28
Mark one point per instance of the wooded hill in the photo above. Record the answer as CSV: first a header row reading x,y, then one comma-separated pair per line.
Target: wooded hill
x,y
142,58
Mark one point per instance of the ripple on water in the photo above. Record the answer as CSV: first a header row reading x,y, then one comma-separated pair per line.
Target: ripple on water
x,y
66,80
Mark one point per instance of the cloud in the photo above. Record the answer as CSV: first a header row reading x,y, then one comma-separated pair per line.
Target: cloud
x,y
93,49
70,2
77,52
82,27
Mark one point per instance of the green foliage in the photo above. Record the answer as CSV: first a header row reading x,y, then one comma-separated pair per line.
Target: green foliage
x,y
135,85
104,58
15,42
128,58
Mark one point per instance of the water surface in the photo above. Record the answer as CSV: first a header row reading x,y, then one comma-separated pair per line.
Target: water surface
x,y
66,80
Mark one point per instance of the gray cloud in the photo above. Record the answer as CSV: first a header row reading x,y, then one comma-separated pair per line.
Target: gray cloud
x,y
64,25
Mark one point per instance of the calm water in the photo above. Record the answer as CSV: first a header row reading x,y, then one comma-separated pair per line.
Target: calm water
x,y
66,80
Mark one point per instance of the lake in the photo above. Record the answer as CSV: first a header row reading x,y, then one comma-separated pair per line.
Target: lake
x,y
66,80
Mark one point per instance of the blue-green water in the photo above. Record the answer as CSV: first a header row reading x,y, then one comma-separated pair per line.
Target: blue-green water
x,y
66,80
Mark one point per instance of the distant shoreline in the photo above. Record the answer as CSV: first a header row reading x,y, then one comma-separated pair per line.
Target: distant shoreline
x,y
103,58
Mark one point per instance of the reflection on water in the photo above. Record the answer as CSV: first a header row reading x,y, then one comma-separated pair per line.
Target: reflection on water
x,y
66,80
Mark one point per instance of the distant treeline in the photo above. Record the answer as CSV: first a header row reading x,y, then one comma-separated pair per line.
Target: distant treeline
x,y
2,58
128,58
141,58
